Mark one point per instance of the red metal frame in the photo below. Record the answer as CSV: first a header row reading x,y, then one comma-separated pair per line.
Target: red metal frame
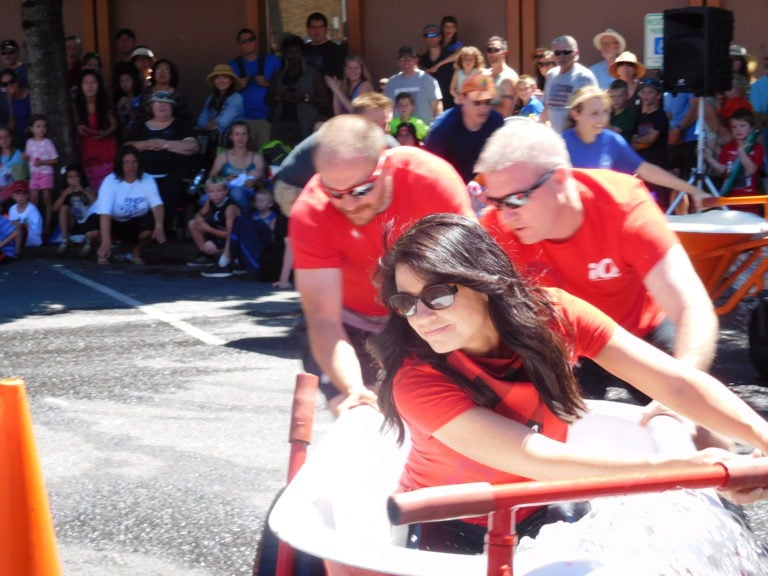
x,y
300,436
501,501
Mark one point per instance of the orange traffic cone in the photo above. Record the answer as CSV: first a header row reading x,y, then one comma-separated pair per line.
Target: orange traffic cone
x,y
27,539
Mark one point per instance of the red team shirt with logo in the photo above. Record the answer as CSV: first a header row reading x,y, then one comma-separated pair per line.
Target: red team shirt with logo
x,y
322,237
623,236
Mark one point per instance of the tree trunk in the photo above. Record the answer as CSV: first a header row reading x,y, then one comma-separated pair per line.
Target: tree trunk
x,y
43,25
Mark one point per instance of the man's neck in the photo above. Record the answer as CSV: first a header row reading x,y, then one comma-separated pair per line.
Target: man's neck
x,y
408,73
498,67
649,108
251,56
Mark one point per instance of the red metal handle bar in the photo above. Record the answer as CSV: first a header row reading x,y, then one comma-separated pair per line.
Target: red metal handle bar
x,y
302,418
300,436
479,499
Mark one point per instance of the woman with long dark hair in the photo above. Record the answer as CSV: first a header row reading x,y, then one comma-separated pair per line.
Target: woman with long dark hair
x,y
96,126
476,364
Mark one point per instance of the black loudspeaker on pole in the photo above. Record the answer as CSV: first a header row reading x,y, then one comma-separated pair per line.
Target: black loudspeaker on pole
x,y
696,43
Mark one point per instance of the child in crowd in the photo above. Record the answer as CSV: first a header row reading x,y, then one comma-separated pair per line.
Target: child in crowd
x,y
212,224
127,96
743,156
530,105
12,165
73,205
25,217
623,117
469,61
735,98
257,245
42,156
405,106
406,135
8,234
650,136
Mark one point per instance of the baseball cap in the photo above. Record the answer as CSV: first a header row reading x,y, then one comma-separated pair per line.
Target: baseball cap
x,y
9,44
431,31
405,51
479,87
19,186
652,82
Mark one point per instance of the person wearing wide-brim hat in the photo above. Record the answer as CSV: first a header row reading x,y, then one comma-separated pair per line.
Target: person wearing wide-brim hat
x,y
628,68
225,104
610,44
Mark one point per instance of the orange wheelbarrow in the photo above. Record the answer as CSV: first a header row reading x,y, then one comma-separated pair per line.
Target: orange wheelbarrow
x,y
728,249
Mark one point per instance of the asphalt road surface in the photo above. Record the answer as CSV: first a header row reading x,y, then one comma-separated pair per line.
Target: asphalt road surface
x,y
161,403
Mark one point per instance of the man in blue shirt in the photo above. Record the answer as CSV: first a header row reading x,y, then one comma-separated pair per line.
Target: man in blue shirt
x,y
255,73
459,134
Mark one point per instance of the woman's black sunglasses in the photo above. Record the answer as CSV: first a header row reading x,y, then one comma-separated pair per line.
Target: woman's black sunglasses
x,y
436,297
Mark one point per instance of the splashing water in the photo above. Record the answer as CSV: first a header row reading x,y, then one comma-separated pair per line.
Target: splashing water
x,y
681,532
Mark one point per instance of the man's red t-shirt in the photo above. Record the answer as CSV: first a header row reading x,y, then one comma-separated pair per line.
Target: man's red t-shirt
x,y
623,236
322,237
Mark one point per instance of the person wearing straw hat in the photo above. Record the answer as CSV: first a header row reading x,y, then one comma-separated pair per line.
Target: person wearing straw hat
x,y
610,44
225,104
628,68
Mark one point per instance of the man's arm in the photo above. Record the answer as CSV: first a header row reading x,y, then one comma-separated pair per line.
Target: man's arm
x,y
674,284
321,291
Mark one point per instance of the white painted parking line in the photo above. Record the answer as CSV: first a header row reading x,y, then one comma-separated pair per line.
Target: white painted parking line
x,y
147,309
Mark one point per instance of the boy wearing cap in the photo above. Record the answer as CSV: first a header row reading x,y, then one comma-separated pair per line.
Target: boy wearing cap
x,y
610,44
432,56
458,135
25,217
425,90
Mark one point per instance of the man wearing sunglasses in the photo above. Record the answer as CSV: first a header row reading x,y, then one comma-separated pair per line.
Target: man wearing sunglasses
x,y
563,80
361,199
503,75
459,134
599,235
255,72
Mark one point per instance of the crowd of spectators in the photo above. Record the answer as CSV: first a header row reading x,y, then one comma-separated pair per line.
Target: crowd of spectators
x,y
440,100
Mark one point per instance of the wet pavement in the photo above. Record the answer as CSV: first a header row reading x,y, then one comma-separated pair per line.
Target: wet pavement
x,y
161,404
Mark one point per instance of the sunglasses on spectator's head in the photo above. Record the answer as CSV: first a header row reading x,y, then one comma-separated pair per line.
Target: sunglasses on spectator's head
x,y
4,84
521,198
563,52
431,34
437,297
246,40
492,50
